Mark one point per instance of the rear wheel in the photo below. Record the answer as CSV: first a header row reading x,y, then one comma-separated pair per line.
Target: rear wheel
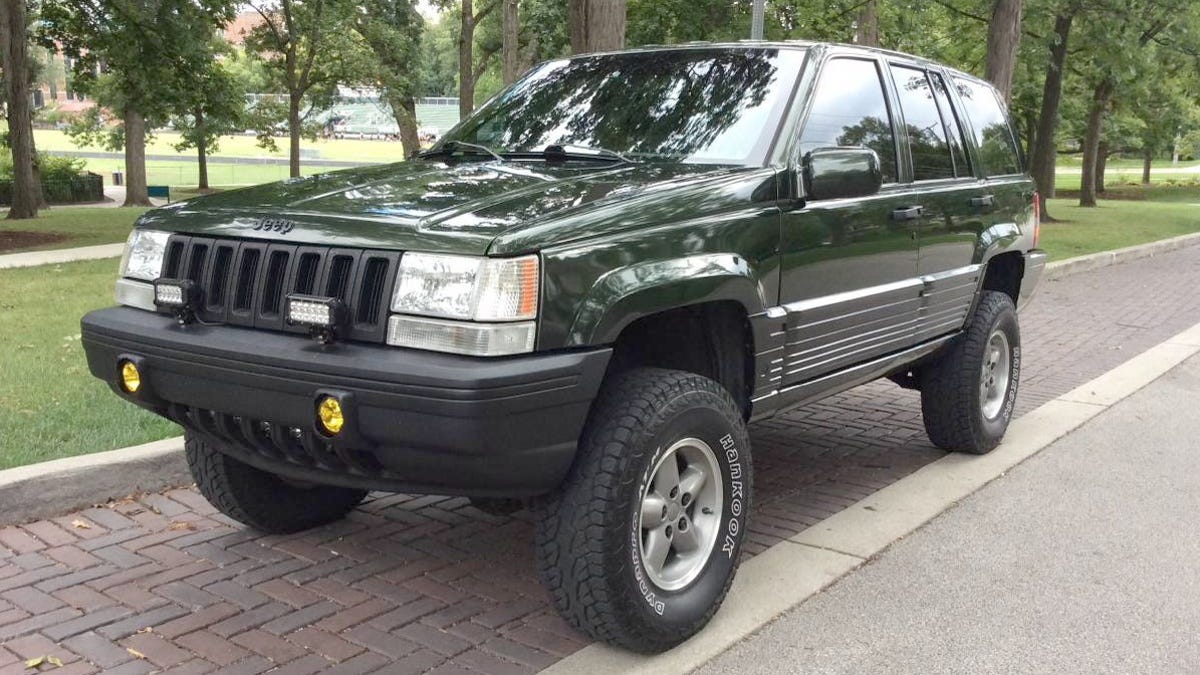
x,y
968,394
263,500
640,544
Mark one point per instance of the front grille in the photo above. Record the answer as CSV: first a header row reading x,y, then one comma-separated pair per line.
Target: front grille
x,y
245,282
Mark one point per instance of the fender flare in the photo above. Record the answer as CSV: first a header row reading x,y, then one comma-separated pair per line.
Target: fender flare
x,y
624,295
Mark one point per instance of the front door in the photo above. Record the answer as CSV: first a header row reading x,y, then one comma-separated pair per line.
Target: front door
x,y
849,266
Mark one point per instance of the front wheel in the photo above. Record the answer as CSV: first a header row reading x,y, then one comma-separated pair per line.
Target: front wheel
x,y
640,544
263,500
968,394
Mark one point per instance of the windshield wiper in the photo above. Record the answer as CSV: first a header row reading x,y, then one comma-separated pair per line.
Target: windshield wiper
x,y
583,152
448,148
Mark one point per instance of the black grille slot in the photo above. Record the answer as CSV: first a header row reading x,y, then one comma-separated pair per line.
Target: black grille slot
x,y
244,290
372,291
246,282
218,280
273,291
306,273
196,259
340,274
174,259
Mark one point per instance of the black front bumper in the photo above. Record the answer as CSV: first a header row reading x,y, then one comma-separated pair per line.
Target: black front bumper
x,y
415,421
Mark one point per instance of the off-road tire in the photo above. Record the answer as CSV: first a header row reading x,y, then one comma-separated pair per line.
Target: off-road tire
x,y
586,531
261,499
951,400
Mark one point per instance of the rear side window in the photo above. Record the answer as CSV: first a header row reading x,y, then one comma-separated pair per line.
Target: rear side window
x,y
850,109
997,146
954,127
931,157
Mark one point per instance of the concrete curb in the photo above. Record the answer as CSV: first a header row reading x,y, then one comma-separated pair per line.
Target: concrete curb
x,y
62,255
64,485
1084,263
790,572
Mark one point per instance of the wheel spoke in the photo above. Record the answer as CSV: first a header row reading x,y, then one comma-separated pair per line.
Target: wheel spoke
x,y
685,539
653,509
656,549
667,478
691,480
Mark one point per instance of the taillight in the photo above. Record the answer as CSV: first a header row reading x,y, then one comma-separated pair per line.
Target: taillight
x,y
1037,219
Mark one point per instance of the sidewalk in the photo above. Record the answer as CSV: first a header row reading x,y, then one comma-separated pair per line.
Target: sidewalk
x,y
1081,560
61,255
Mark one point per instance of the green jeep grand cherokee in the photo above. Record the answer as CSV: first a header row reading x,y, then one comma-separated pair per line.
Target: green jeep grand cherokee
x,y
582,295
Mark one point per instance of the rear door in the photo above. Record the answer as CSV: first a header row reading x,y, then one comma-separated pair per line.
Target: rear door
x,y
998,161
849,266
955,200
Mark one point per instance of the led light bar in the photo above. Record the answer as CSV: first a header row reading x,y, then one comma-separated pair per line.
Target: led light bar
x,y
316,311
174,293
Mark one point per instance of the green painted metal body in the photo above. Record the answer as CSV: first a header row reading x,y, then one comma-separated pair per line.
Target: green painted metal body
x,y
623,241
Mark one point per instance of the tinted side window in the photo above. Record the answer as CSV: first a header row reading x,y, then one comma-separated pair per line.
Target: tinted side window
x,y
849,109
954,127
997,147
931,157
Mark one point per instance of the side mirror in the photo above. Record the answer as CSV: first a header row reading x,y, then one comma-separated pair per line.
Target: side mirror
x,y
839,173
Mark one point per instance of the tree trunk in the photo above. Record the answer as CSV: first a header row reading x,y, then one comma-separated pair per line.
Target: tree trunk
x,y
1147,159
511,51
466,60
1045,149
13,51
135,160
1004,36
596,25
1101,165
1091,142
37,174
866,30
294,100
404,109
1031,120
201,151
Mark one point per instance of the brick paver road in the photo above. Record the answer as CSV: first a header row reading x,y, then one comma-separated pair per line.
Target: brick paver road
x,y
413,584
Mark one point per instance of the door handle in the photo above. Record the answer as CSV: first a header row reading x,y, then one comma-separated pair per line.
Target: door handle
x,y
986,200
907,213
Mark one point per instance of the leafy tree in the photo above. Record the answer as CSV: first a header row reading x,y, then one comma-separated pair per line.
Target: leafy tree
x,y
308,48
391,31
214,107
137,58
14,41
1120,31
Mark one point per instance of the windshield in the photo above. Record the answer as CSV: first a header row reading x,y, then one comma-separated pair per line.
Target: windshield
x,y
713,106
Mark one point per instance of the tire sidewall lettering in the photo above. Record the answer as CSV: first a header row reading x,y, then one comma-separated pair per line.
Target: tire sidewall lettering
x,y
732,461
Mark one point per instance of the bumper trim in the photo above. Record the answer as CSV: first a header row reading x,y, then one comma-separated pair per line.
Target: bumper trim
x,y
421,421
1035,266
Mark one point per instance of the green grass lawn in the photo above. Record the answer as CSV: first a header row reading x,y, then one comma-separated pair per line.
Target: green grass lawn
x,y
1118,223
184,174
82,225
52,407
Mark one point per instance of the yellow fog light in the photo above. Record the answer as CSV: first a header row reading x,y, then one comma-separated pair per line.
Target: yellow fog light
x,y
131,379
329,412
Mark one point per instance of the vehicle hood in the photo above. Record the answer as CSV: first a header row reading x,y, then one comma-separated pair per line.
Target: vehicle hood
x,y
432,206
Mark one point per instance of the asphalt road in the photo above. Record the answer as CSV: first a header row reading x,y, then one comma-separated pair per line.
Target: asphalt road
x,y
1084,559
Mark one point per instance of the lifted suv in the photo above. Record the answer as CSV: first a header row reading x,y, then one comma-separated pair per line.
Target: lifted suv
x,y
582,295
